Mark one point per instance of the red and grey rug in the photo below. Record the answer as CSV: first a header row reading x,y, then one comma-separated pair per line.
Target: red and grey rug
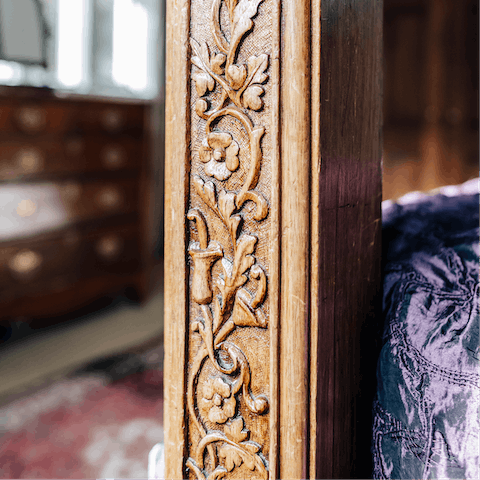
x,y
84,427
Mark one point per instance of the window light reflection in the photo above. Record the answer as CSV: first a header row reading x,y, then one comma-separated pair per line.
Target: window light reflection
x,y
30,209
71,35
130,44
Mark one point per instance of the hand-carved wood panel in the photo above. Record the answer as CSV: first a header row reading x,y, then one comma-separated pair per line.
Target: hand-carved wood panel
x,y
228,376
272,210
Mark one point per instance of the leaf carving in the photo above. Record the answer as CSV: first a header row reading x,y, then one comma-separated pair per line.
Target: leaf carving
x,y
243,12
251,97
231,456
235,430
252,447
218,473
202,55
203,83
201,106
206,190
231,4
242,262
227,267
256,68
226,204
217,63
234,224
243,313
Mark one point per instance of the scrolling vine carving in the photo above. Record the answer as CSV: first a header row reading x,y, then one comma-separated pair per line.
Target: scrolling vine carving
x,y
224,301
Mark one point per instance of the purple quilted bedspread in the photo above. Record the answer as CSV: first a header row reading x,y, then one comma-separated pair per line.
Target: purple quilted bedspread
x,y
426,414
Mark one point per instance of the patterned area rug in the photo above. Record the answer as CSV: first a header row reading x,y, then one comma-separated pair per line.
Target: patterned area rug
x,y
89,426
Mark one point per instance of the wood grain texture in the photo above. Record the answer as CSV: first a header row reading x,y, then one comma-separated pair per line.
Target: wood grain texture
x,y
273,157
175,276
295,187
315,168
275,240
349,233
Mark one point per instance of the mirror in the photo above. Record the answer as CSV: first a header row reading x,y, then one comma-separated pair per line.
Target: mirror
x,y
23,32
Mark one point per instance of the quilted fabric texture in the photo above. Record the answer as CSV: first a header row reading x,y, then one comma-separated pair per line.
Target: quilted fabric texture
x,y
426,415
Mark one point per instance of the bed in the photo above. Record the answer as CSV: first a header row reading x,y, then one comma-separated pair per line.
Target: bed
x,y
426,412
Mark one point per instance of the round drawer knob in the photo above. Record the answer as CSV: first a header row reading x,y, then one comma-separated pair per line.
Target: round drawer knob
x,y
25,262
71,191
71,238
109,247
26,208
29,160
112,120
31,119
110,198
113,157
74,146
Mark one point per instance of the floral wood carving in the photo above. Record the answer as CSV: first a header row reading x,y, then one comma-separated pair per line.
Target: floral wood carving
x,y
225,303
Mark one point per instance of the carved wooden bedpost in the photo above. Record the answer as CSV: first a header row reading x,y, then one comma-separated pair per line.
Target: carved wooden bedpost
x,y
272,254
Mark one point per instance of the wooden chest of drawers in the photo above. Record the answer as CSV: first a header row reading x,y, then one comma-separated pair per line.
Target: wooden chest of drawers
x,y
73,201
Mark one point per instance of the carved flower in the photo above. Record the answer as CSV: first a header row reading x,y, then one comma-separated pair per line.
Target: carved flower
x,y
218,399
220,153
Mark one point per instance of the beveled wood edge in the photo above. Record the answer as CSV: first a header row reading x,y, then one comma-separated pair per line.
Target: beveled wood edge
x,y
177,123
295,240
292,137
314,225
275,258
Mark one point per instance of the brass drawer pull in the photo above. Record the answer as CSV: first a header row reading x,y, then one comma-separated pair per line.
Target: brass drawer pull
x,y
110,198
74,146
112,120
109,247
71,191
29,160
25,262
26,208
31,119
113,156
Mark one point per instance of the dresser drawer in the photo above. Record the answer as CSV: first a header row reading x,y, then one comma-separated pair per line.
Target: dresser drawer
x,y
94,153
36,118
112,251
112,119
100,198
27,210
29,157
39,266
71,154
47,116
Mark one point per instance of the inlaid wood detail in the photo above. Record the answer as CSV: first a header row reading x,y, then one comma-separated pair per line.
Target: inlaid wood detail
x,y
228,282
